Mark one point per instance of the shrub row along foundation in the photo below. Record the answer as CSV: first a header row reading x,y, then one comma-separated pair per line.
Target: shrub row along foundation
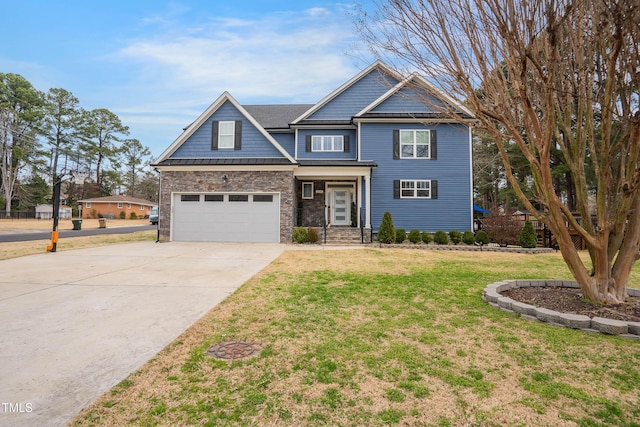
x,y
492,295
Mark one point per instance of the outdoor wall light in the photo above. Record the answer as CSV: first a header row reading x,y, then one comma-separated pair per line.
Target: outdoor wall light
x,y
225,178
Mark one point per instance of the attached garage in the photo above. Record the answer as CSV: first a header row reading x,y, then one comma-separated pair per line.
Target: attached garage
x,y
226,217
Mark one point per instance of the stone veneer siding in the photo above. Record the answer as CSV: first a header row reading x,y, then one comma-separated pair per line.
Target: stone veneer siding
x,y
281,182
311,211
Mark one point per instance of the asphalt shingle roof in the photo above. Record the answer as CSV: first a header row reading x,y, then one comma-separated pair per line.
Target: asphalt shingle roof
x,y
276,116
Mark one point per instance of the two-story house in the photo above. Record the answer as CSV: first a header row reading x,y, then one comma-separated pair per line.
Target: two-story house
x,y
252,173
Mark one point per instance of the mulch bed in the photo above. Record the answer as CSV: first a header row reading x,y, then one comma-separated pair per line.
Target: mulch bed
x,y
569,300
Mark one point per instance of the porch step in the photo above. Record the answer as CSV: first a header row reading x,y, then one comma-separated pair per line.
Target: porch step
x,y
337,235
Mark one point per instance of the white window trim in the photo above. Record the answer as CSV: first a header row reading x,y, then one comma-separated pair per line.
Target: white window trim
x,y
226,146
415,143
307,184
333,149
415,188
128,205
88,205
141,207
119,205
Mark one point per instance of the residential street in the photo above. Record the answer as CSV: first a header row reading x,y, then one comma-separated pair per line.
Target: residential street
x,y
22,236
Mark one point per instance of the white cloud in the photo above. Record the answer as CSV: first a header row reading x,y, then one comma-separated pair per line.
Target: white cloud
x,y
282,57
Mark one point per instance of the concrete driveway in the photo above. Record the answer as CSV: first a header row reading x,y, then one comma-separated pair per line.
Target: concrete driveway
x,y
75,323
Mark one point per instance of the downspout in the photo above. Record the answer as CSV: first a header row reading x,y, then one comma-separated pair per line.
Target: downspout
x,y
471,173
159,195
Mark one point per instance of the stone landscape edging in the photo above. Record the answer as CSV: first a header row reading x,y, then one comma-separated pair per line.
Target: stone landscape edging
x,y
492,294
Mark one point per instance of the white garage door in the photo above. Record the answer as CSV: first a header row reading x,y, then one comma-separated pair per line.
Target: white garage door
x,y
226,217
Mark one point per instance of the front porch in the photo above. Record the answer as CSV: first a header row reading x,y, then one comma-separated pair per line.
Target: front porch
x,y
335,205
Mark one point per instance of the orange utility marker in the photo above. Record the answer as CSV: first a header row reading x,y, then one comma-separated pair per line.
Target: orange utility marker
x,y
54,240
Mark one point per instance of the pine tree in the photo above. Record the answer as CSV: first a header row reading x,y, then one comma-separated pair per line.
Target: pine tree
x,y
528,237
387,233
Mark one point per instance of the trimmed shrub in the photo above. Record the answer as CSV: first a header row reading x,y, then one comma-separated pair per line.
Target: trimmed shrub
x,y
441,237
528,237
123,215
482,237
401,235
414,236
312,235
468,238
300,235
133,215
427,237
455,236
387,233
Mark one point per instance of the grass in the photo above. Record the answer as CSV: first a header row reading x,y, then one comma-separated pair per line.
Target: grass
x,y
382,337
17,249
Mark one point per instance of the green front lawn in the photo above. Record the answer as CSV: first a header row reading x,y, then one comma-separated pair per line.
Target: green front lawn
x,y
383,337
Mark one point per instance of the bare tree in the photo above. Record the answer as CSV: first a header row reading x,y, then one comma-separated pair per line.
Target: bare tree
x,y
542,75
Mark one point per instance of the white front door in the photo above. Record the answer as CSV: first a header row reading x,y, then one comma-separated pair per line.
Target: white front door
x,y
341,212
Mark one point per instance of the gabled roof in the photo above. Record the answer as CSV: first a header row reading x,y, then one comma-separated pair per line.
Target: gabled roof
x,y
324,101
417,81
120,198
226,96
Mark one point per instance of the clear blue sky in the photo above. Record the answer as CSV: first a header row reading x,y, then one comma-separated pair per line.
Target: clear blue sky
x,y
159,64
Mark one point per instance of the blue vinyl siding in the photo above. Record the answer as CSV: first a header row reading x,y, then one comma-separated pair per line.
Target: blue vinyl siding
x,y
409,101
350,102
287,141
254,144
452,209
324,155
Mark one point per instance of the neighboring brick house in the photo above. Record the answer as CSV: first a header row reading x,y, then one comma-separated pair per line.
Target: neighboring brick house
x,y
112,206
252,173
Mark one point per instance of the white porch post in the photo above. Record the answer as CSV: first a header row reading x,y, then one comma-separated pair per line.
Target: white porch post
x,y
358,200
367,189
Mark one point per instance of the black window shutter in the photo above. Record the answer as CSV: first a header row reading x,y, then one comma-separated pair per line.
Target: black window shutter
x,y
434,188
396,188
214,135
237,141
346,144
434,145
307,146
396,144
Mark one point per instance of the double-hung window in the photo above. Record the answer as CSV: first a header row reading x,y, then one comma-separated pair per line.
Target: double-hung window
x,y
415,189
327,143
415,144
226,135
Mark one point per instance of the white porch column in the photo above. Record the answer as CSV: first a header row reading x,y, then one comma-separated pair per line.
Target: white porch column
x,y
358,200
367,189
